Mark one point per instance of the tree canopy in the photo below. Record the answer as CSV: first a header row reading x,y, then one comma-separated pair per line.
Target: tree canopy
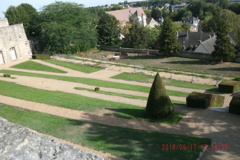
x,y
108,30
67,28
223,47
168,40
24,13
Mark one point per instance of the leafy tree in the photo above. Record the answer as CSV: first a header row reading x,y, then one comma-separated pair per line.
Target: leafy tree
x,y
220,3
108,30
168,40
156,14
159,104
136,37
148,13
24,13
235,7
152,37
67,28
223,47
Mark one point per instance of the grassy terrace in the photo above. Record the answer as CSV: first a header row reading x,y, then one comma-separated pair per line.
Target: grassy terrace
x,y
77,67
121,142
148,78
122,95
78,102
94,82
31,65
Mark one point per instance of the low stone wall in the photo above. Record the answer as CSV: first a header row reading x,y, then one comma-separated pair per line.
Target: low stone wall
x,y
17,142
194,55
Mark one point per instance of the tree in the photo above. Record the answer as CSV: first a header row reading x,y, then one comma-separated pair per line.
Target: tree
x,y
137,36
156,14
24,13
108,30
223,47
159,104
168,40
67,28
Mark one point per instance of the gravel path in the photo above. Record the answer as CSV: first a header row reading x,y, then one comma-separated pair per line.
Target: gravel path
x,y
222,128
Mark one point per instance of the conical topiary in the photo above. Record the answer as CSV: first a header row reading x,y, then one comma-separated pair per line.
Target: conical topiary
x,y
159,104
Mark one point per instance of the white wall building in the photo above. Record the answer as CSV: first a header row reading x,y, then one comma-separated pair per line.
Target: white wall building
x,y
14,44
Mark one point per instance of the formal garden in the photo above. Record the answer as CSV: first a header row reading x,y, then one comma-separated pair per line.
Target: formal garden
x,y
120,100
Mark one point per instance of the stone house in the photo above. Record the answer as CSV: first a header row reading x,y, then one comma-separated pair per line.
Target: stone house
x,y
193,22
14,44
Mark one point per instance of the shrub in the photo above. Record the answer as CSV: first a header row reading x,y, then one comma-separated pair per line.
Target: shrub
x,y
41,56
229,86
6,75
97,89
159,104
234,106
204,100
237,79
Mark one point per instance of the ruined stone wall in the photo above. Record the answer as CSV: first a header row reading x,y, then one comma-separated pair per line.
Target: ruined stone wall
x,y
14,44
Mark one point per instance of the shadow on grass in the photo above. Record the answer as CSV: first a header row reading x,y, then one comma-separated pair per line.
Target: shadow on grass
x,y
141,114
138,144
143,57
226,69
193,62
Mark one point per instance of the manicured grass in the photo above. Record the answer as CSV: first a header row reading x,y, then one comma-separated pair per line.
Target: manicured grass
x,y
148,78
77,102
121,142
121,94
95,82
77,67
31,65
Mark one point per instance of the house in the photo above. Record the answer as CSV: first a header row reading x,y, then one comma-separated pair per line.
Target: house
x,y
151,23
206,46
194,23
123,15
14,44
191,40
199,42
137,13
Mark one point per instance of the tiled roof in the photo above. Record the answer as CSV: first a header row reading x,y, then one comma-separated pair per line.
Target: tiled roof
x,y
193,38
209,44
123,15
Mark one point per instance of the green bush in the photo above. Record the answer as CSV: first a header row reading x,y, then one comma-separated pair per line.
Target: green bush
x,y
6,75
229,86
204,100
159,104
237,79
97,89
234,106
41,56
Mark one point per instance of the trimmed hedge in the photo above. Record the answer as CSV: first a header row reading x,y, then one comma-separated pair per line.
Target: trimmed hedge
x,y
204,100
234,106
229,86
159,105
6,75
41,56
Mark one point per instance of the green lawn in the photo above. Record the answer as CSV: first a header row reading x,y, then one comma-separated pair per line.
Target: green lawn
x,y
169,82
78,102
77,67
121,142
95,82
31,65
121,94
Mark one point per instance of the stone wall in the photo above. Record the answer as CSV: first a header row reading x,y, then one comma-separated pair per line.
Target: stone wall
x,y
14,44
17,142
194,55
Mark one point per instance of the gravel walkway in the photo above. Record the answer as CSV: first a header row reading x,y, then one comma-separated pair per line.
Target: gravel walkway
x,y
222,128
